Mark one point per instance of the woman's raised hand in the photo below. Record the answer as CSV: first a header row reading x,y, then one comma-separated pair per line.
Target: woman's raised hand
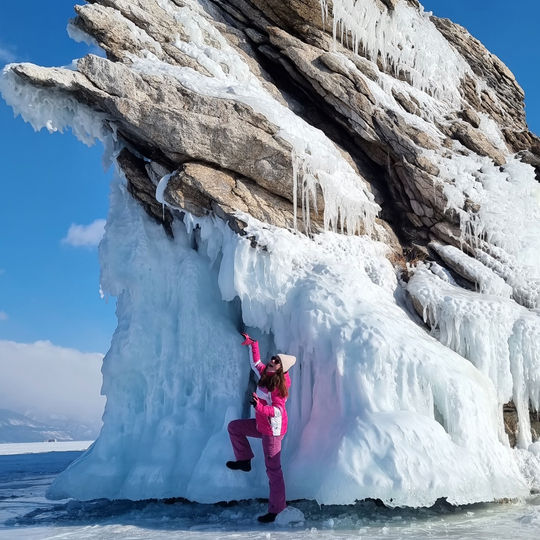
x,y
247,339
254,400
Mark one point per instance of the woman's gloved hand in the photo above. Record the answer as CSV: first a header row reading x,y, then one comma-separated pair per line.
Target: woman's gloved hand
x,y
254,400
247,339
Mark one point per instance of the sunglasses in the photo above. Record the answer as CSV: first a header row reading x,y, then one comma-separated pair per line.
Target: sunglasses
x,y
275,359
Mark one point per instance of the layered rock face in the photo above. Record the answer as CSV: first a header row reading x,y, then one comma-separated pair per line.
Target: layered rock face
x,y
394,137
315,115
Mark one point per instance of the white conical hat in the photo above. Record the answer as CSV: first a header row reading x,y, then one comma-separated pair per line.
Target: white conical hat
x,y
287,361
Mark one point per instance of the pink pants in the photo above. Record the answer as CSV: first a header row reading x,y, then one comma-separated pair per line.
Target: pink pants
x,y
239,431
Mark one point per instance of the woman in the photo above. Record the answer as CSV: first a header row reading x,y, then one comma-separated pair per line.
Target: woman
x,y
269,424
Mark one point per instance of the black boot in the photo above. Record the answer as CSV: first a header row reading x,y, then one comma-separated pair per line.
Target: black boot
x,y
267,518
241,465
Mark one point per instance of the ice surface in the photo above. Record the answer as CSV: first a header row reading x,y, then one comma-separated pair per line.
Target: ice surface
x,y
290,517
8,449
26,514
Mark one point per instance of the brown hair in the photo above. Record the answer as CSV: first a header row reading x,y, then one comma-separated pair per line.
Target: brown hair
x,y
271,381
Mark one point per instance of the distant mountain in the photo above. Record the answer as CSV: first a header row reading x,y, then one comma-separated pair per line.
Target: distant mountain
x,y
15,427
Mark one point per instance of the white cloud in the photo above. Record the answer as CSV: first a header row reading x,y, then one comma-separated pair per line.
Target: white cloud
x,y
85,235
6,56
45,381
3,316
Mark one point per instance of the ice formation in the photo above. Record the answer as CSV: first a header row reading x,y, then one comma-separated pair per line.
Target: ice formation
x,y
379,407
500,337
52,110
393,37
376,399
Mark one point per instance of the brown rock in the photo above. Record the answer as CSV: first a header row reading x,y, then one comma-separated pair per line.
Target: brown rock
x,y
292,14
511,423
143,189
199,188
408,103
476,141
390,4
505,101
470,116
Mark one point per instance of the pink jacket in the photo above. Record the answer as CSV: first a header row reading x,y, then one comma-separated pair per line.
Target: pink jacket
x,y
270,413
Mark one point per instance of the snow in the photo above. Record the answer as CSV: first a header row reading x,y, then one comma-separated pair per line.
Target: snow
x,y
393,36
80,36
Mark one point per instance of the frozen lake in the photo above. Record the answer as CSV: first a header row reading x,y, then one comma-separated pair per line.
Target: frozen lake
x,y
25,513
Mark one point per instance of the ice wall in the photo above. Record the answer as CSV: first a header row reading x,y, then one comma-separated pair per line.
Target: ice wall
x,y
500,337
378,407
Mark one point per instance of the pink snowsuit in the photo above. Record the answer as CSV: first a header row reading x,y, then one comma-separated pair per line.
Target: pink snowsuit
x,y
270,425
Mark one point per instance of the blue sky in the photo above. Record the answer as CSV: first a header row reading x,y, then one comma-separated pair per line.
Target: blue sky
x,y
48,287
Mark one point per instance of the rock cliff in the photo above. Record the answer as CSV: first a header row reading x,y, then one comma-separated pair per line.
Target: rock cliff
x,y
227,156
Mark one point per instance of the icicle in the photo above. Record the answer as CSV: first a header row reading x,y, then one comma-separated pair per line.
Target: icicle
x,y
390,35
501,338
295,189
160,191
324,12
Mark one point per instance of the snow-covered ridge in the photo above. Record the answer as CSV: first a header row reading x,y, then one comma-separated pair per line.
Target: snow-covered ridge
x,y
16,427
